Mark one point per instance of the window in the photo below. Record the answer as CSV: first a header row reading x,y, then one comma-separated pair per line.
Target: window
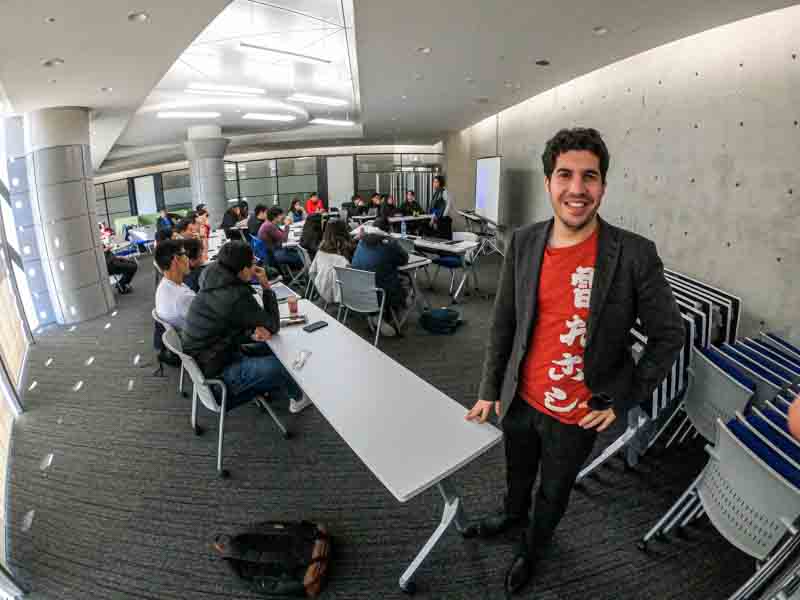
x,y
177,188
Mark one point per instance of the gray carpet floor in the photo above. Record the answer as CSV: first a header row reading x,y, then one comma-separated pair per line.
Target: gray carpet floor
x,y
130,502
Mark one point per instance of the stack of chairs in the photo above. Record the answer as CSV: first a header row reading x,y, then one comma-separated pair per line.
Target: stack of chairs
x,y
750,488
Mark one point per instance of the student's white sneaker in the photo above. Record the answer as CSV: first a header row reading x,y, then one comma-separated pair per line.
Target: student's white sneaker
x,y
295,406
387,330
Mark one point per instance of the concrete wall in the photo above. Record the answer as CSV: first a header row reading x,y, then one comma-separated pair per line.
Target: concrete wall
x,y
704,136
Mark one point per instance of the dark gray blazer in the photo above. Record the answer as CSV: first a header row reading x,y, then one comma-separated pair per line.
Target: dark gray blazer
x,y
628,283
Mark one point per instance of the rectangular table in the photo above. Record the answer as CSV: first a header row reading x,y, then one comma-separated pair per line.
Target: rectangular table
x,y
444,248
410,435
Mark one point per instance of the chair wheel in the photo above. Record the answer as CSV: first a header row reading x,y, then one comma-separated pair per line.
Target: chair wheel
x,y
198,430
409,588
224,474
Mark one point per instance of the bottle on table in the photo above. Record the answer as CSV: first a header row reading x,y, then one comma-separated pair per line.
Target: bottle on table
x,y
402,229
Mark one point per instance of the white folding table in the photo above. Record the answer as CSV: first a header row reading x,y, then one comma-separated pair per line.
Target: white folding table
x,y
410,435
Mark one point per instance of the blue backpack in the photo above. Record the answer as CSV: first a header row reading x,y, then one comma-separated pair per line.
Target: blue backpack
x,y
441,320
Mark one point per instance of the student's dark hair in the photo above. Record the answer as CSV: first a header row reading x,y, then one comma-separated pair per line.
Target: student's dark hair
x,y
273,212
260,208
183,225
412,192
441,180
235,256
295,201
191,216
201,211
382,223
336,239
200,207
162,235
243,205
166,251
193,247
578,138
355,197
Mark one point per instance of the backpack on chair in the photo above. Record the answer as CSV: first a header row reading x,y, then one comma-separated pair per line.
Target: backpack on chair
x,y
441,320
279,558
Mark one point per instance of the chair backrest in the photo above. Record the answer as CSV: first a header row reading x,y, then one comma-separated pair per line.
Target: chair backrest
x,y
358,290
173,342
406,244
714,394
466,236
261,251
748,502
304,255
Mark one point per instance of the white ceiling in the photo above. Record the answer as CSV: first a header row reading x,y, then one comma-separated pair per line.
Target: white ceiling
x,y
496,43
317,28
493,43
100,48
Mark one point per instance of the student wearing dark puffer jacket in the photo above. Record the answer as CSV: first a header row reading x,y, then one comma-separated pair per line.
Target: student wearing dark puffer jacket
x,y
224,316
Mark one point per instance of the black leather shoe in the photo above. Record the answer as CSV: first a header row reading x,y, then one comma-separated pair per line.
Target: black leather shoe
x,y
494,525
519,573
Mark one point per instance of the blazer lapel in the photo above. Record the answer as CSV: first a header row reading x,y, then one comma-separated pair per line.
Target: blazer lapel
x,y
607,259
531,266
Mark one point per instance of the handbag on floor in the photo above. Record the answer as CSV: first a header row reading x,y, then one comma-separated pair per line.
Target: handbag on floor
x,y
279,558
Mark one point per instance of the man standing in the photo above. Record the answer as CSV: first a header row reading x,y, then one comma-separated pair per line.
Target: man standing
x,y
558,367
441,221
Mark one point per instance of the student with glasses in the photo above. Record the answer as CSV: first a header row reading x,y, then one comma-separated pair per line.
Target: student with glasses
x,y
173,296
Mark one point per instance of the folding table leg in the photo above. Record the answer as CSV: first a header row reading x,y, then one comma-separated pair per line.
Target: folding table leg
x,y
453,513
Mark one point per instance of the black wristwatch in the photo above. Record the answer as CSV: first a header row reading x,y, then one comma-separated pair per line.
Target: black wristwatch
x,y
601,402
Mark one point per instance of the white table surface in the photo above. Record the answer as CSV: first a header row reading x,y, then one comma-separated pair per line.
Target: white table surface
x,y
408,433
363,217
461,247
415,261
409,218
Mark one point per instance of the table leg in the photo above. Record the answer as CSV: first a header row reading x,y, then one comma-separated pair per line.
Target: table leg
x,y
421,300
452,513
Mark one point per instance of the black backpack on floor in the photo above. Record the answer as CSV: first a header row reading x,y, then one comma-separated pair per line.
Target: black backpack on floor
x,y
440,320
279,558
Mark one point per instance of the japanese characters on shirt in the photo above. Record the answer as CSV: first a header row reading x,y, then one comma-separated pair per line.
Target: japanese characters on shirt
x,y
572,342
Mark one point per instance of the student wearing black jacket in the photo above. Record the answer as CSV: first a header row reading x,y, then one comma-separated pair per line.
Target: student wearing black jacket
x,y
380,253
224,317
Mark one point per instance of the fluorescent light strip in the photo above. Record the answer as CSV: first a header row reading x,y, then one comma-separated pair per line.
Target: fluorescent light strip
x,y
292,55
187,115
268,117
337,122
324,100
236,89
217,93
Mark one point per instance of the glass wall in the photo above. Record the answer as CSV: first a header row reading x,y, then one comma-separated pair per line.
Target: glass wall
x,y
112,201
272,181
177,186
396,174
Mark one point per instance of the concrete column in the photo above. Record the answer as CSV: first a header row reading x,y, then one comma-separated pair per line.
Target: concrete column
x,y
63,218
205,150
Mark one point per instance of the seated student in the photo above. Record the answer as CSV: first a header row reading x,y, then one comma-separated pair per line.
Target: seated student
x,y
183,230
224,316
314,204
256,219
411,208
389,208
380,253
197,260
336,250
231,217
203,228
274,237
244,211
374,205
117,265
296,211
165,221
173,296
311,235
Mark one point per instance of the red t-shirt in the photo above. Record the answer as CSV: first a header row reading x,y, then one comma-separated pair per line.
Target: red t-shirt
x,y
312,207
552,378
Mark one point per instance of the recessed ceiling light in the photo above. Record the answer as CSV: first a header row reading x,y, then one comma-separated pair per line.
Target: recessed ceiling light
x,y
52,62
600,30
187,115
424,50
107,90
543,62
51,81
337,122
268,117
138,17
304,58
418,76
482,100
323,100
237,89
404,97
469,79
50,20
508,84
